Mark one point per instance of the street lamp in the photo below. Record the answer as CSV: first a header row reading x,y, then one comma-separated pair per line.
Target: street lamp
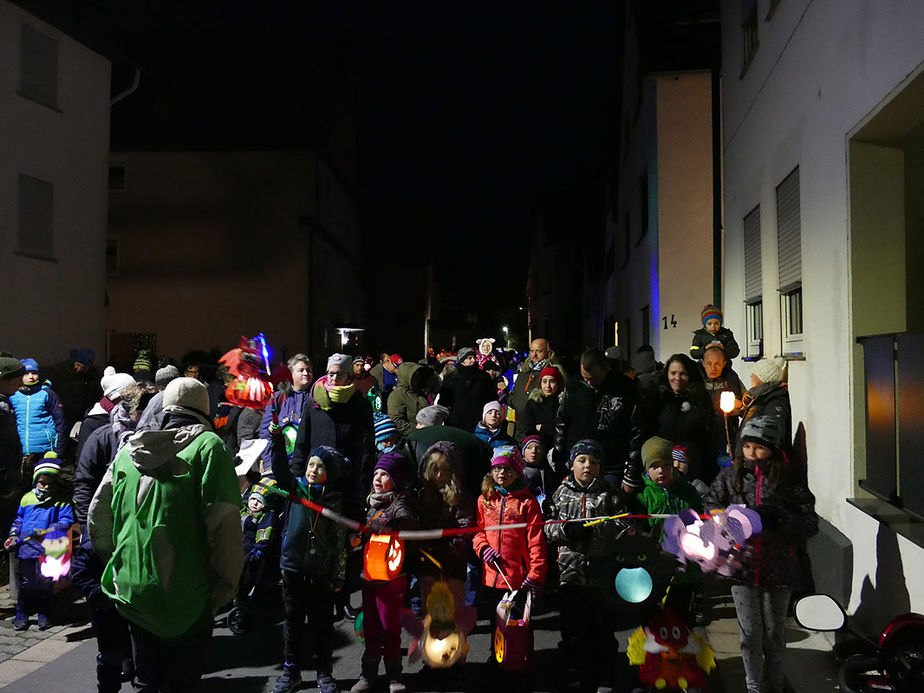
x,y
506,337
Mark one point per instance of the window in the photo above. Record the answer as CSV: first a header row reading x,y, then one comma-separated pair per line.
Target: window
x,y
112,256
38,75
643,205
36,217
748,33
117,182
753,286
789,257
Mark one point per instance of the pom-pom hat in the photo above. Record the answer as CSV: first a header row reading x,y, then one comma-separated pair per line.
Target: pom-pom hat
x,y
383,427
711,312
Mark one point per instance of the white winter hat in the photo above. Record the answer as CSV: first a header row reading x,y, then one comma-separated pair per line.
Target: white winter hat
x,y
769,370
188,393
341,360
112,383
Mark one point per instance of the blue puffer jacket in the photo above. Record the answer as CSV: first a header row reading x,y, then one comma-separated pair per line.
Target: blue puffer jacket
x,y
34,514
40,419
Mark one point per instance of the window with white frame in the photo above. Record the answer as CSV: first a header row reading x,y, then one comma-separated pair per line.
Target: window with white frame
x,y
38,73
753,286
789,258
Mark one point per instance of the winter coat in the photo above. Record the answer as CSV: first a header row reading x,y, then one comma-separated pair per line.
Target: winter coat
x,y
603,415
702,339
392,511
657,500
540,411
311,544
290,407
729,381
497,439
525,383
77,391
379,373
476,454
523,549
768,399
95,458
34,515
39,420
167,519
686,419
465,391
258,529
587,561
407,399
778,555
346,427
10,450
96,417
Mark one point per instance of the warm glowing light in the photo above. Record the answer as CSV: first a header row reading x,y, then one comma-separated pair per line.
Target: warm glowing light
x,y
727,401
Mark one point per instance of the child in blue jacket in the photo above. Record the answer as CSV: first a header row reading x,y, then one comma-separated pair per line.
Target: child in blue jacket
x,y
39,417
43,517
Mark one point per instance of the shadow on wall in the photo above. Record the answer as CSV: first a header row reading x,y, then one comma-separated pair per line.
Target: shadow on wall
x,y
889,597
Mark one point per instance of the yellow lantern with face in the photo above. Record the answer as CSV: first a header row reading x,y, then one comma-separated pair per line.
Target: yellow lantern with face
x,y
442,644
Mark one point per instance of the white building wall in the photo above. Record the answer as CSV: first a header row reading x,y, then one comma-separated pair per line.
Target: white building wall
x,y
820,68
52,306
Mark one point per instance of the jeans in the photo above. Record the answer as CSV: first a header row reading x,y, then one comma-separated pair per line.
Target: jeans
x,y
171,665
761,619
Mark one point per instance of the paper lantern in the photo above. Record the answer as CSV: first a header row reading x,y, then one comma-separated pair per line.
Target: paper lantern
x,y
634,585
727,401
383,557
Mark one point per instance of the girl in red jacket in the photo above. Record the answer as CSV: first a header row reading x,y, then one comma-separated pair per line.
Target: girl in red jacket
x,y
519,553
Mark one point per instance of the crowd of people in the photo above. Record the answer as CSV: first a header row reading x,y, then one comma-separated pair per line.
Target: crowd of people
x,y
177,504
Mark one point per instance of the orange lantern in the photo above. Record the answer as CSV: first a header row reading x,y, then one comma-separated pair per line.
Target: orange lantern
x,y
383,557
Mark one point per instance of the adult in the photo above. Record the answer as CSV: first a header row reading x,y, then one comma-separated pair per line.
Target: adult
x,y
527,381
645,368
286,407
598,406
166,518
386,373
76,383
410,396
466,390
720,377
112,384
538,417
680,410
768,396
192,370
362,378
11,373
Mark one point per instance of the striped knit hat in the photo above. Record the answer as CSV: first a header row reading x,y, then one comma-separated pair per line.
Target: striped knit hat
x,y
47,465
383,427
509,454
709,312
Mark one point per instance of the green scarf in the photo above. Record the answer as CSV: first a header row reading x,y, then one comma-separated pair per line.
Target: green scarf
x,y
338,394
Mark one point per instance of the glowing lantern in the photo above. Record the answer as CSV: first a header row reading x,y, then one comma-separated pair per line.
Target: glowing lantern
x,y
56,561
727,401
634,584
383,557
442,644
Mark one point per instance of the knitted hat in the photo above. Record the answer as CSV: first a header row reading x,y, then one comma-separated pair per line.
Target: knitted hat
x,y
657,450
680,453
260,491
508,454
333,461
396,359
341,360
586,447
463,354
10,367
614,353
142,361
769,370
434,415
490,406
551,371
31,365
164,375
711,312
112,383
84,356
188,393
359,359
395,465
529,440
764,430
47,465
383,426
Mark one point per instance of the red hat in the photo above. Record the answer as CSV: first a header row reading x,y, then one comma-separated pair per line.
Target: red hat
x,y
552,371
396,359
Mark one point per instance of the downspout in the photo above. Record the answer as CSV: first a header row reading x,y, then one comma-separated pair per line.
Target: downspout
x,y
136,82
716,189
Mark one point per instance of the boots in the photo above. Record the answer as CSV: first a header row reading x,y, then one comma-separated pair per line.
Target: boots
x,y
108,678
370,669
393,671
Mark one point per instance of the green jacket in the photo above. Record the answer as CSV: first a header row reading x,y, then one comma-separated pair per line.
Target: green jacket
x,y
668,501
407,399
167,518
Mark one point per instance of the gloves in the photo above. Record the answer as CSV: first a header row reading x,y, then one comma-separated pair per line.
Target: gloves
x,y
532,586
771,517
9,543
255,555
576,531
489,555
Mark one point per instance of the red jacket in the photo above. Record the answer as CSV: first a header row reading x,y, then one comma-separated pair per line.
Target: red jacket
x,y
522,550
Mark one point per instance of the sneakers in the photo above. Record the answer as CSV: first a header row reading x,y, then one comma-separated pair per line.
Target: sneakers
x,y
395,686
20,622
364,684
43,622
290,680
327,683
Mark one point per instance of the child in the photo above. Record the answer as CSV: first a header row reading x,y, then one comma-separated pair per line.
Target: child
x,y
585,564
313,562
39,418
665,492
712,331
490,429
383,601
258,526
518,554
387,436
777,561
41,511
443,504
532,450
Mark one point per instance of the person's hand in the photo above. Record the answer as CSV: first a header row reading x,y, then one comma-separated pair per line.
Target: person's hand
x,y
489,555
275,429
255,555
532,586
771,517
576,531
9,543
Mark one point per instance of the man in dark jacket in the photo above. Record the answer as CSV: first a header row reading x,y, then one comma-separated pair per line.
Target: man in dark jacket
x,y
598,406
540,356
466,390
719,377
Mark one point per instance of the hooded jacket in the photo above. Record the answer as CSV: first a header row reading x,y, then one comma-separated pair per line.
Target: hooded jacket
x,y
33,515
658,500
407,399
167,519
465,391
39,419
768,399
702,339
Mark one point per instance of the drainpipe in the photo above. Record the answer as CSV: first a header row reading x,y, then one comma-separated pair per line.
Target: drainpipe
x,y
716,190
136,82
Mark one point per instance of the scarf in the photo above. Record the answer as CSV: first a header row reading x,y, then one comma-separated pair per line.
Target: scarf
x,y
538,366
123,425
327,395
